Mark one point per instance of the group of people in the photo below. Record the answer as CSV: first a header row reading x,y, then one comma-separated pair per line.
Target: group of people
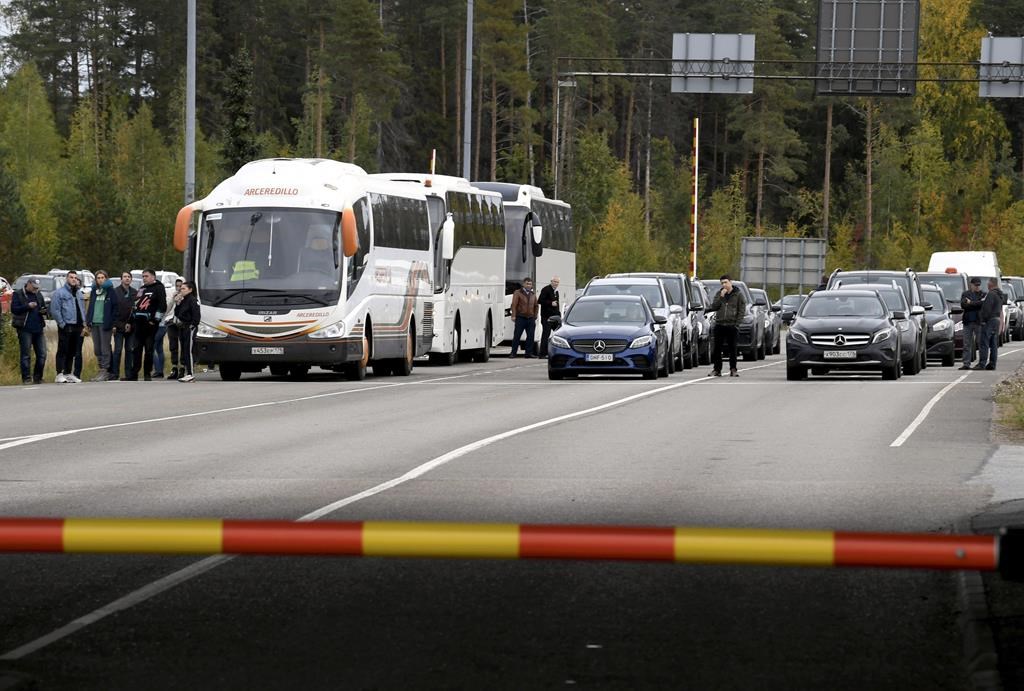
x,y
983,322
120,320
526,306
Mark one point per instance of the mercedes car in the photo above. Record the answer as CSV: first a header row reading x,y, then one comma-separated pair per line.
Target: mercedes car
x,y
609,334
850,330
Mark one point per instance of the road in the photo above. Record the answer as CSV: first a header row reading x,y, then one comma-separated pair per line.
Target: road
x,y
750,452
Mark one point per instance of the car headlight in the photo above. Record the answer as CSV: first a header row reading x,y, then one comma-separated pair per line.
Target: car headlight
x,y
942,325
641,341
207,331
904,325
797,335
883,335
335,330
959,326
558,342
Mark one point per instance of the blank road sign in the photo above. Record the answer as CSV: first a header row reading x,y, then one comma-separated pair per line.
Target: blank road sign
x,y
867,47
1002,61
713,63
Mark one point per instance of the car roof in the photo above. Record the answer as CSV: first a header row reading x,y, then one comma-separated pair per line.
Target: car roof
x,y
860,291
604,298
641,280
646,274
869,287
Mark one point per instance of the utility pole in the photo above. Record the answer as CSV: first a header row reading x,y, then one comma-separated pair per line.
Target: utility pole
x,y
467,127
190,106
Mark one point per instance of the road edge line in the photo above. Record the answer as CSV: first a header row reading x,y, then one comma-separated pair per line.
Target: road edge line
x,y
912,427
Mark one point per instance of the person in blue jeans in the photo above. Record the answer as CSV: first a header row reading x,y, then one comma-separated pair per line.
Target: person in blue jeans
x,y
971,301
992,321
28,313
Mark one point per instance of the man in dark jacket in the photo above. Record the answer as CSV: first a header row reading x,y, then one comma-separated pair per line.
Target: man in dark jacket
x,y
524,316
971,301
150,305
27,313
992,323
548,299
68,309
123,327
99,321
731,307
187,313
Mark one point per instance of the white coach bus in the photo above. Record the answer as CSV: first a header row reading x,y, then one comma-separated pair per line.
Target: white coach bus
x,y
539,255
310,262
469,290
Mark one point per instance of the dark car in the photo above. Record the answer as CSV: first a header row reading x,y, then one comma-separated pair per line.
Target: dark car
x,y
678,288
1018,288
47,286
896,302
772,321
704,322
788,306
906,281
953,286
1013,311
609,334
940,325
750,336
844,330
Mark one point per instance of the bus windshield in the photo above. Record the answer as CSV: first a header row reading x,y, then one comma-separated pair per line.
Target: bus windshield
x,y
270,257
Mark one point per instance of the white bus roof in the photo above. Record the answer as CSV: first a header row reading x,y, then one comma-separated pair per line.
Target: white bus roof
x,y
438,183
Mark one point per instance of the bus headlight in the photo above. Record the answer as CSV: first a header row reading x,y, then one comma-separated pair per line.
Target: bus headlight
x,y
336,330
207,331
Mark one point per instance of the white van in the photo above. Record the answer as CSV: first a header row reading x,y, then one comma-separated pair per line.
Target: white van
x,y
981,264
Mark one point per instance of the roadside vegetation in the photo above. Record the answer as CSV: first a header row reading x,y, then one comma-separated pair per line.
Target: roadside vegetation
x,y
1009,397
10,369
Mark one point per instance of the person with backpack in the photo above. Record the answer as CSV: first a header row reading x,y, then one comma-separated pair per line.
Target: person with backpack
x,y
186,315
28,311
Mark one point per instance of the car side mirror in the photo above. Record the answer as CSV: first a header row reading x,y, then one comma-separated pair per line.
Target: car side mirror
x,y
696,308
660,319
554,321
956,309
787,316
928,306
917,310
776,308
899,315
675,309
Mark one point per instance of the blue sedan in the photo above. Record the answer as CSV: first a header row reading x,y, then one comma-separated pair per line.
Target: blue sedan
x,y
609,334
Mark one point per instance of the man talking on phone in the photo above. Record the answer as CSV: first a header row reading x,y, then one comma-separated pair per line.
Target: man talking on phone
x,y
730,306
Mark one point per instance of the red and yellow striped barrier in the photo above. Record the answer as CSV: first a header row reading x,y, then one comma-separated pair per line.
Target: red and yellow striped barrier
x,y
502,541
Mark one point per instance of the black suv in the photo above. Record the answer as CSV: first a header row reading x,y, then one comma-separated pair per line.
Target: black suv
x,y
953,286
750,338
844,330
908,282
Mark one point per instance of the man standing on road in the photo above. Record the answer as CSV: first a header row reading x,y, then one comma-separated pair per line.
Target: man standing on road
x,y
171,329
123,327
100,322
150,305
524,315
68,310
548,308
971,301
27,316
992,322
730,306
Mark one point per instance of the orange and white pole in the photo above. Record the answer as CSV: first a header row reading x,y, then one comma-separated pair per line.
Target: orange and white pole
x,y
693,200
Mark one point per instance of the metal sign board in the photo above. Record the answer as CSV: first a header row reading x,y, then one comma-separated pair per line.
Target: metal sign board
x,y
867,47
782,261
713,63
1002,62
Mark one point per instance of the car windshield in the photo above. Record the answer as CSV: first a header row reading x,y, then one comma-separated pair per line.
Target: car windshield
x,y
674,286
651,291
952,285
869,277
606,312
792,300
264,256
760,297
1011,294
894,299
936,298
842,306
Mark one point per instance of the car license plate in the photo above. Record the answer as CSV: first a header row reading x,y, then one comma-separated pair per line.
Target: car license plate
x,y
261,350
600,357
840,354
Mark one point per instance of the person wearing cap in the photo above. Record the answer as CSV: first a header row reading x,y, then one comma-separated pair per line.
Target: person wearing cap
x,y
27,315
971,300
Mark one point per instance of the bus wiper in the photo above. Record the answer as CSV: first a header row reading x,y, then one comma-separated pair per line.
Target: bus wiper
x,y
233,293
319,301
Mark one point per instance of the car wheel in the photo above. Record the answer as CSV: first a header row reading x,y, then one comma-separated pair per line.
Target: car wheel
x,y
796,373
778,344
670,363
665,369
912,366
762,350
750,354
704,354
891,373
682,360
554,375
924,359
948,361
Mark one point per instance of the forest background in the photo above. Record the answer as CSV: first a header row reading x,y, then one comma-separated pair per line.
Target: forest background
x,y
92,114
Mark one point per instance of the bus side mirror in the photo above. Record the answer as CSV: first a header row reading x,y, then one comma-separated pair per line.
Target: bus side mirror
x,y
181,227
448,239
537,238
349,237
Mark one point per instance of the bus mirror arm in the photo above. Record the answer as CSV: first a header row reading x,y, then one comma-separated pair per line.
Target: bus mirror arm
x,y
448,239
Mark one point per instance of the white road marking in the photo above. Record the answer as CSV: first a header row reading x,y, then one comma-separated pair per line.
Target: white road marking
x,y
924,412
189,572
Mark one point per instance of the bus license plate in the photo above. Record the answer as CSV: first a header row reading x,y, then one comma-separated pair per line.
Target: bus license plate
x,y
840,354
600,357
262,350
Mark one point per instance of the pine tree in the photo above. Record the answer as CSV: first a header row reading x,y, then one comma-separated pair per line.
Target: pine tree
x,y
239,111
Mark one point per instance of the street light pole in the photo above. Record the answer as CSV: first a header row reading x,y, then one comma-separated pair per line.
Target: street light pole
x,y
190,106
467,127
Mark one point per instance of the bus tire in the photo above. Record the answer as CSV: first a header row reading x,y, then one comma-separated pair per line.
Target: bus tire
x,y
382,368
449,359
356,371
279,370
484,354
298,372
402,367
230,371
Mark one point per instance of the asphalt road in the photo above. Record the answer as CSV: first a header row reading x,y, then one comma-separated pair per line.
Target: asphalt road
x,y
750,452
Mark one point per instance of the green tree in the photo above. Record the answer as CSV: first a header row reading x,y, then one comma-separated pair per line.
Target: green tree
x,y
14,228
239,112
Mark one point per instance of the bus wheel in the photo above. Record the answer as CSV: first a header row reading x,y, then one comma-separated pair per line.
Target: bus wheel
x,y
382,368
484,354
298,372
402,367
230,372
279,370
355,371
449,359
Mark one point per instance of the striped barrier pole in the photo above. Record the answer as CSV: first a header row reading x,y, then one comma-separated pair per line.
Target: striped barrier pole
x,y
512,541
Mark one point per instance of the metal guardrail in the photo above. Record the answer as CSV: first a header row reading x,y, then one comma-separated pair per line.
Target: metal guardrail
x,y
1004,552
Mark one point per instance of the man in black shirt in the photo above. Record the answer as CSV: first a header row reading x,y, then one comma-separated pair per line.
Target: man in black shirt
x,y
992,326
150,305
548,299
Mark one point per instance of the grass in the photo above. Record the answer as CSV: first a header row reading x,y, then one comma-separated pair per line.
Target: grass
x,y
1009,396
10,369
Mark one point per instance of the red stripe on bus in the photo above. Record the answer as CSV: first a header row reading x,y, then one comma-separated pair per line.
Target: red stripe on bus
x,y
916,551
31,534
287,537
596,542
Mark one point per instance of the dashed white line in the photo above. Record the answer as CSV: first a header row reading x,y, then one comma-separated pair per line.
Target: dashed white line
x,y
924,412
